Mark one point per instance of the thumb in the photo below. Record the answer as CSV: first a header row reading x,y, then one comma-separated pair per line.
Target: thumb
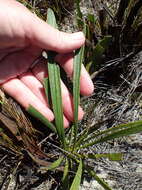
x,y
47,37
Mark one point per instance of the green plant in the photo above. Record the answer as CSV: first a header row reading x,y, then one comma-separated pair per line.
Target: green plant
x,y
72,156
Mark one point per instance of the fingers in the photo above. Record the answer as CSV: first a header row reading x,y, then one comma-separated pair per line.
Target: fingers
x,y
41,71
37,88
86,84
34,85
20,92
25,97
67,101
47,37
26,27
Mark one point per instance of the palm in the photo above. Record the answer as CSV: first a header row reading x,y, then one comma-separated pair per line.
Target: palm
x,y
18,61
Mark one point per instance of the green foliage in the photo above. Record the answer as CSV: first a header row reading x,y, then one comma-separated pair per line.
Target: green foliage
x,y
47,90
112,133
110,156
76,182
53,165
78,59
54,81
51,20
88,137
79,15
73,143
98,52
35,113
65,179
98,179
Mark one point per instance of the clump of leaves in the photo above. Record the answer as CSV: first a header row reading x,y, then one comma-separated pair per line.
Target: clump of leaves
x,y
72,143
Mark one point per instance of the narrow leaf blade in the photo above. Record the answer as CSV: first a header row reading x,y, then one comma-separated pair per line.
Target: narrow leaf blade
x,y
77,180
55,86
115,132
76,85
51,20
47,90
98,179
54,80
110,156
54,165
35,113
66,176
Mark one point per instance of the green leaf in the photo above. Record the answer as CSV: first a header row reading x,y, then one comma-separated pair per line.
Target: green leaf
x,y
35,113
79,16
105,42
115,132
65,178
110,156
99,50
125,132
47,90
92,18
81,137
55,87
86,134
98,179
51,20
77,180
78,59
54,165
78,9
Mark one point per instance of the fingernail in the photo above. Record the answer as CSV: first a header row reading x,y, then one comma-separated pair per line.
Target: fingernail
x,y
80,113
48,114
66,123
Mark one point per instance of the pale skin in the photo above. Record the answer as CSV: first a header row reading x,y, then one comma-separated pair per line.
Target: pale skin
x,y
23,37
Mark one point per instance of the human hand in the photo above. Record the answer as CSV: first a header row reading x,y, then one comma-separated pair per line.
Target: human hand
x,y
23,37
